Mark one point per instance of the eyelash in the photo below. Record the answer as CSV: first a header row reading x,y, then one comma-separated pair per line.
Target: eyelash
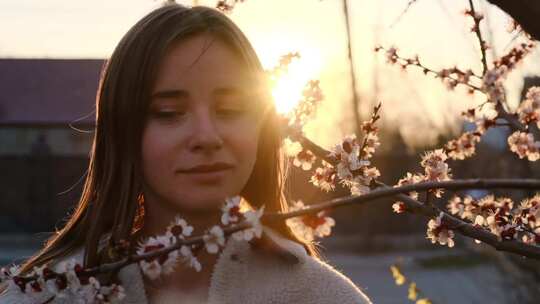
x,y
168,115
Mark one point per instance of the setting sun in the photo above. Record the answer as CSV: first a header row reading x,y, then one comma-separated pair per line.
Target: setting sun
x,y
287,88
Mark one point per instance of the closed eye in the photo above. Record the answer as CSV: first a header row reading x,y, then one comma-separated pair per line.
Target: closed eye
x,y
167,115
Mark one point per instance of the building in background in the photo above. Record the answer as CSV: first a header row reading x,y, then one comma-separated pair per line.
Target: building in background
x,y
47,113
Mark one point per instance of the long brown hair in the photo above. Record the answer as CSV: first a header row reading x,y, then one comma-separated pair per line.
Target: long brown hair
x,y
111,194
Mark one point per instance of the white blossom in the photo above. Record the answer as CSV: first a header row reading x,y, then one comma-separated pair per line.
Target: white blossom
x,y
163,264
213,239
310,226
398,207
438,232
524,145
391,55
464,146
190,259
529,110
493,84
231,210
304,160
254,219
180,228
409,179
435,167
324,178
291,148
372,142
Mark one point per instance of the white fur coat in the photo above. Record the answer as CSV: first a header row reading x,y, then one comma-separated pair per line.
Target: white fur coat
x,y
243,275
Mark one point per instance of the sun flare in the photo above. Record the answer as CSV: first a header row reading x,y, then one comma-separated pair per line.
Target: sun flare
x,y
287,89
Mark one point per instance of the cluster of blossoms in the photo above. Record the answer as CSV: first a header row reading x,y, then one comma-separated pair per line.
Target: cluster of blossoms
x,y
153,268
350,163
515,55
309,226
529,109
492,84
524,145
347,162
302,157
499,216
324,177
521,143
283,65
68,279
453,76
465,145
232,214
156,256
353,162
438,231
435,170
409,179
311,97
528,112
450,77
213,239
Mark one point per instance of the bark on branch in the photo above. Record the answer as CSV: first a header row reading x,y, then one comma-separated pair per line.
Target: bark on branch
x,y
417,207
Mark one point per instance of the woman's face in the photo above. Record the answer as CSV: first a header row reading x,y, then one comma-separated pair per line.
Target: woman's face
x,y
200,140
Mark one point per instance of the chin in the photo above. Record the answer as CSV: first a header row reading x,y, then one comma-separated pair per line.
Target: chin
x,y
203,203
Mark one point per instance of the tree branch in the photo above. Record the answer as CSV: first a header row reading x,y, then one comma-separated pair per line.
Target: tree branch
x,y
478,33
418,207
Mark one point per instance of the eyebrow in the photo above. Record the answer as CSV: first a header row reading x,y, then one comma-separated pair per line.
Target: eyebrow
x,y
177,93
173,93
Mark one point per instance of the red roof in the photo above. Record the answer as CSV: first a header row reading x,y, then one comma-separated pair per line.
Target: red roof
x,y
48,91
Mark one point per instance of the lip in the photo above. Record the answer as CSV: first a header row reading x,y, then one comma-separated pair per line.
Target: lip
x,y
207,168
207,174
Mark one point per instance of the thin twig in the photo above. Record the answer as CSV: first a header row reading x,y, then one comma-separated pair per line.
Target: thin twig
x,y
479,37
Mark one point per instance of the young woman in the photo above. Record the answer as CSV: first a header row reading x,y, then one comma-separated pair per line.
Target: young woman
x,y
184,120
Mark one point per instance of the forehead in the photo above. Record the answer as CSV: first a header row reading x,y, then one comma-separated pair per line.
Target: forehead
x,y
202,59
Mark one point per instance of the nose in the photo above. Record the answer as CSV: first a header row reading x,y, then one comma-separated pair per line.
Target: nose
x,y
205,136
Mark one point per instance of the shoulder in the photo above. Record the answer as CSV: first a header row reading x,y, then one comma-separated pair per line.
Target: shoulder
x,y
325,282
308,280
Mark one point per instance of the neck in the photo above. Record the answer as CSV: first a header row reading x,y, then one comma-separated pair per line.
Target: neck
x,y
158,216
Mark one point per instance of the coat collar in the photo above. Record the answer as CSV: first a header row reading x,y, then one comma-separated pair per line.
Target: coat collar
x,y
232,265
234,268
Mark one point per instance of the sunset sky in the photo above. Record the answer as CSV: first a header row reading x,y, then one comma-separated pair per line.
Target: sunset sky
x,y
436,30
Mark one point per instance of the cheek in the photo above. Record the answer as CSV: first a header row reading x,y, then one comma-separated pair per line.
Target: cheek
x,y
154,153
245,145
